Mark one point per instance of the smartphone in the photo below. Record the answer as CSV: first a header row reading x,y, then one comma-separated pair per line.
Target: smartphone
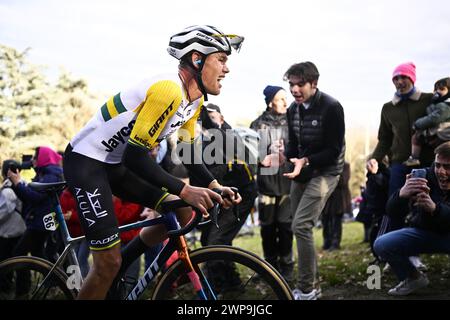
x,y
419,173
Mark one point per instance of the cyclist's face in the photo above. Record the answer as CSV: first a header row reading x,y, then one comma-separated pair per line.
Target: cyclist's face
x,y
214,71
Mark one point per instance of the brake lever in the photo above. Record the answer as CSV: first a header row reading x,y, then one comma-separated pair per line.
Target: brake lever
x,y
236,206
214,214
215,211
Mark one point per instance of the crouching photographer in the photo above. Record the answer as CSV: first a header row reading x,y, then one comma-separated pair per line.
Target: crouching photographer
x,y
425,196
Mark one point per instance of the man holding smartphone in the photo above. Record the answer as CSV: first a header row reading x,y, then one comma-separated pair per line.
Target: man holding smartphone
x,y
427,199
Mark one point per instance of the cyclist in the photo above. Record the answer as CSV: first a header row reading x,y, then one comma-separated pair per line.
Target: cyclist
x,y
110,155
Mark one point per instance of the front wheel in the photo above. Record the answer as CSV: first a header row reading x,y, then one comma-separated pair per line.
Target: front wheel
x,y
22,278
226,273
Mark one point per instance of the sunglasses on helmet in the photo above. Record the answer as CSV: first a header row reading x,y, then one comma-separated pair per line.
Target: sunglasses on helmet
x,y
234,40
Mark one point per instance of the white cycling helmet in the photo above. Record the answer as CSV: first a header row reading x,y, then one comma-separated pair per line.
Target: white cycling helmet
x,y
204,39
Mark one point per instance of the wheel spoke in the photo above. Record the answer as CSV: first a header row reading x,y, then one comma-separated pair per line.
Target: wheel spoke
x,y
233,274
26,278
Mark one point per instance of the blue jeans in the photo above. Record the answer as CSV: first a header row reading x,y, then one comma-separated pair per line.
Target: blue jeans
x,y
397,246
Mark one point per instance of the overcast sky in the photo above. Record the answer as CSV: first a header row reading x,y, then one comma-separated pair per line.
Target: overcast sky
x,y
355,44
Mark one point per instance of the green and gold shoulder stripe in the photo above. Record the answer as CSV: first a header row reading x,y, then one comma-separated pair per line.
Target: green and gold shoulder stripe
x,y
112,108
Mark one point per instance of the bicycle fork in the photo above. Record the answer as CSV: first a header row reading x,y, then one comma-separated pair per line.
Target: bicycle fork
x,y
192,273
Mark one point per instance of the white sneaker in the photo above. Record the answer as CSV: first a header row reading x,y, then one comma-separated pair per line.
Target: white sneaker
x,y
318,293
408,286
313,295
417,263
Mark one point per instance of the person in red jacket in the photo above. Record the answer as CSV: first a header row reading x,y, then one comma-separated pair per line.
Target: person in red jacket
x,y
128,212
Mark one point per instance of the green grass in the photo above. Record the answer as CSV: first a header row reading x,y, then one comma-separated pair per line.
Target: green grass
x,y
343,273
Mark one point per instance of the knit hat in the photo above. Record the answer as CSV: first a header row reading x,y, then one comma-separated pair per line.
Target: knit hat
x,y
270,92
407,69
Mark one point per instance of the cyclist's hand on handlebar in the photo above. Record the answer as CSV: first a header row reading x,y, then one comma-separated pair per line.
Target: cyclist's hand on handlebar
x,y
201,198
230,198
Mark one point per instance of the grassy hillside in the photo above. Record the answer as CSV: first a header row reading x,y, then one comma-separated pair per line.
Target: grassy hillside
x,y
344,274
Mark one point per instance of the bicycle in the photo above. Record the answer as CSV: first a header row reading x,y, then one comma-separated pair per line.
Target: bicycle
x,y
194,275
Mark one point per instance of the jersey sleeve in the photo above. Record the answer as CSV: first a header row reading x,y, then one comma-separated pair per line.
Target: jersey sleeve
x,y
159,106
186,133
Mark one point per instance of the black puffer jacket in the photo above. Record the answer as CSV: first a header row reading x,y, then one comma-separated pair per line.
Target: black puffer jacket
x,y
318,133
271,126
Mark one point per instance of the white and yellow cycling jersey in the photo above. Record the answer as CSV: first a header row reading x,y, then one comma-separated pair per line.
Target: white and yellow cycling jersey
x,y
143,115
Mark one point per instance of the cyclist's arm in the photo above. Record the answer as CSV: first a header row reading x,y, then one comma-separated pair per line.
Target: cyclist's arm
x,y
194,164
159,106
197,167
138,160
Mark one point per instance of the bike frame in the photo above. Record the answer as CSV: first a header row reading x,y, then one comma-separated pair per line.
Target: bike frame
x,y
175,244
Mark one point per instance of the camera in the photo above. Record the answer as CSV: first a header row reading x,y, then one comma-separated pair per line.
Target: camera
x,y
26,162
15,166
419,173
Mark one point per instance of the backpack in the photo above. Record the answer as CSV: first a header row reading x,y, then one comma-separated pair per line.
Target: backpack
x,y
241,169
249,139
7,185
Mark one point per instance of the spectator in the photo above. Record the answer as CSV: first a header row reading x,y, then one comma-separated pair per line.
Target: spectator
x,y
35,206
427,202
395,135
128,212
316,148
229,169
364,216
337,204
395,132
12,225
432,129
275,215
373,206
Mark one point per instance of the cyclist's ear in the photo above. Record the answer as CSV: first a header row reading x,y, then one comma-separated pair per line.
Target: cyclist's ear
x,y
196,60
